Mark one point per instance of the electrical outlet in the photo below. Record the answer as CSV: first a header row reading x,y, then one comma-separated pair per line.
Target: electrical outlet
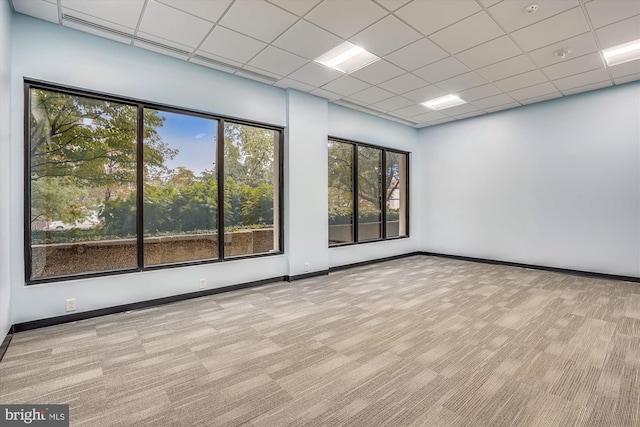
x,y
71,304
202,284
306,266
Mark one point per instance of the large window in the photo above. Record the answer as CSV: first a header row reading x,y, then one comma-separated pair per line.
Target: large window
x,y
118,185
368,197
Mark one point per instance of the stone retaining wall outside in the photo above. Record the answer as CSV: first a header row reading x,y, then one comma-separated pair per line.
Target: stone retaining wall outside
x,y
102,255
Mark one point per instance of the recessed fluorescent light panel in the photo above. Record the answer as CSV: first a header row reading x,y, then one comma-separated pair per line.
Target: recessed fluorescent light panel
x,y
347,57
444,102
622,53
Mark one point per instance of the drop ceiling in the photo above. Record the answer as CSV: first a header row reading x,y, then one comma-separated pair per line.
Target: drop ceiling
x,y
491,53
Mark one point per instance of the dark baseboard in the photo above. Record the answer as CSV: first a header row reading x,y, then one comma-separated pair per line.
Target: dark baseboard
x,y
538,267
373,261
307,275
5,343
51,321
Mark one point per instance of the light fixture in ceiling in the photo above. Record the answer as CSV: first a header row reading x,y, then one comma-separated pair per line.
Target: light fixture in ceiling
x,y
444,102
562,53
622,53
347,58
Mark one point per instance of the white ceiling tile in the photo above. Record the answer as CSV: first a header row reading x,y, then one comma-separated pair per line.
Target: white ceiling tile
x,y
536,99
479,92
493,101
171,44
377,40
580,45
502,107
605,12
590,77
157,49
574,66
429,117
94,20
346,18
209,10
38,9
293,84
274,76
462,82
404,83
467,33
627,79
394,103
460,109
218,63
122,12
532,91
257,76
489,3
95,31
510,67
346,85
315,74
277,61
425,94
587,88
172,24
371,95
297,40
378,72
297,7
618,33
441,70
488,53
512,16
552,30
412,110
433,15
258,19
529,78
625,69
229,44
418,54
469,115
325,94
392,5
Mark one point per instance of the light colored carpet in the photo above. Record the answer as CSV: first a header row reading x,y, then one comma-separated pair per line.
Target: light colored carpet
x,y
420,341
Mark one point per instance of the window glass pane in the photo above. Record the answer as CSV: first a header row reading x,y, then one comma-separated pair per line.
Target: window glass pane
x,y
83,184
396,194
369,193
180,188
340,192
251,189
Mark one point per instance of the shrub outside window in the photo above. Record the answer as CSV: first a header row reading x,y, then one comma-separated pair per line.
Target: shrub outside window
x,y
116,185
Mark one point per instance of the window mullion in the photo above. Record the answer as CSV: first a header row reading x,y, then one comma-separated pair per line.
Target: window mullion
x,y
140,186
220,177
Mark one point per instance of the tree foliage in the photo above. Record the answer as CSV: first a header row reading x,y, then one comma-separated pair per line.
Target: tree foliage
x,y
83,142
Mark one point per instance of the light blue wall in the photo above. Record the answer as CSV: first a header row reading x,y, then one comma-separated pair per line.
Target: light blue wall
x,y
306,170
78,59
554,184
5,157
358,126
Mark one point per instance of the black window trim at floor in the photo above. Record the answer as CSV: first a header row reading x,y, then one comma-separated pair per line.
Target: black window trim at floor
x,y
383,231
140,105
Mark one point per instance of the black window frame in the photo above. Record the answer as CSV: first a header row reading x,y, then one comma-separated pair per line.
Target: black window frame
x,y
141,105
383,205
